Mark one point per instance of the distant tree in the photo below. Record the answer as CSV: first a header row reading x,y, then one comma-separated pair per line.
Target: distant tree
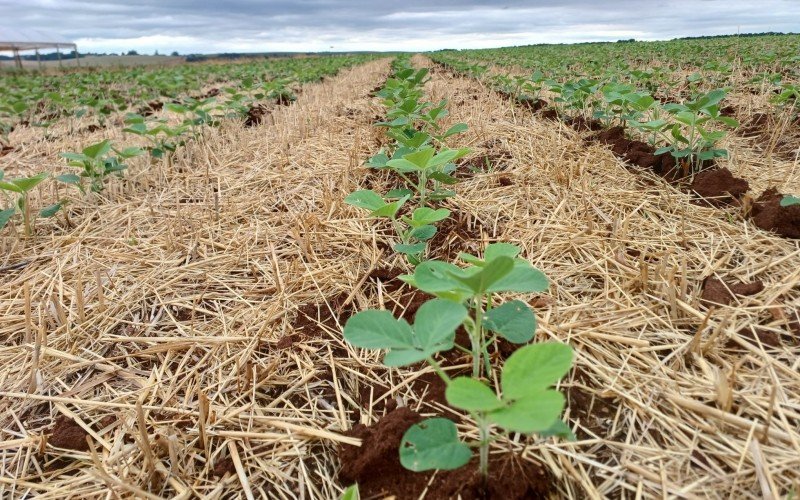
x,y
175,53
155,53
132,53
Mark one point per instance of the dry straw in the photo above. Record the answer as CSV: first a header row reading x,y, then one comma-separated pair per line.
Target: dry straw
x,y
171,320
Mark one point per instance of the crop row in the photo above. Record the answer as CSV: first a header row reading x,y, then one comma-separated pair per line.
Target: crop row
x,y
41,99
159,136
472,296
658,67
681,138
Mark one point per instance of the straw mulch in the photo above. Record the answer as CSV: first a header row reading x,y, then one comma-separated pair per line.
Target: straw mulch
x,y
190,321
672,398
155,323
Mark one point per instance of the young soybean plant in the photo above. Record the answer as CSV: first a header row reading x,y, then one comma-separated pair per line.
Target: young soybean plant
x,y
413,230
500,271
96,164
689,135
526,402
20,188
424,170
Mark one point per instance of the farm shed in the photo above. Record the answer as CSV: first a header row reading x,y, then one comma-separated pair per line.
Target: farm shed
x,y
18,40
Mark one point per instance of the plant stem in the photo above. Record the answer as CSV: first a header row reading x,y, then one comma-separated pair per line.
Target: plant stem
x,y
483,453
476,337
423,180
439,371
26,216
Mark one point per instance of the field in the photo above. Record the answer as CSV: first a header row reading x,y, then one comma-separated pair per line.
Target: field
x,y
592,252
98,62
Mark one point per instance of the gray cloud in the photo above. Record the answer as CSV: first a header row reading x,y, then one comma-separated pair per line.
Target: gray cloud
x,y
253,25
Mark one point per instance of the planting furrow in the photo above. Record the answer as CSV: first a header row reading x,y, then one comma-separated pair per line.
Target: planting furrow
x,y
465,299
660,298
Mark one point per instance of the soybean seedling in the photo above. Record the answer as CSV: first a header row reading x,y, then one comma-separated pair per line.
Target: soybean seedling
x,y
690,137
20,188
413,230
163,138
525,404
96,164
500,271
622,103
424,170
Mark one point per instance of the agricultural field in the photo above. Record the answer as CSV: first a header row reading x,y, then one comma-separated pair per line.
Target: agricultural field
x,y
535,272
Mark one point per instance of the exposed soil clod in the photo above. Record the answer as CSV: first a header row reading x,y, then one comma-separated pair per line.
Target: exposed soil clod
x,y
68,434
224,466
719,186
718,292
768,214
375,466
255,115
638,153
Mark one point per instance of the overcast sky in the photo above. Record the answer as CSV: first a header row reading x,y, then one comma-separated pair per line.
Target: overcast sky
x,y
319,25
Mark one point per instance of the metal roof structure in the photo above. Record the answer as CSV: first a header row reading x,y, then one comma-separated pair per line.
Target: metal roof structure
x,y
16,40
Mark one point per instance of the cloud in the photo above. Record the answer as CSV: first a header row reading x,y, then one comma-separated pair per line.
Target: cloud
x,y
318,25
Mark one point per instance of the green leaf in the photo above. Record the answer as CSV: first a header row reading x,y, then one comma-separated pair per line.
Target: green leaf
x,y
491,273
8,186
471,395
436,276
423,216
130,152
375,329
390,209
446,156
534,368
433,444
535,413
423,233
559,429
176,108
443,178
523,278
406,249
471,259
378,161
420,158
495,250
789,200
6,215
28,183
98,150
513,320
51,210
399,193
436,321
365,199
136,128
68,179
434,331
728,121
351,493
458,128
